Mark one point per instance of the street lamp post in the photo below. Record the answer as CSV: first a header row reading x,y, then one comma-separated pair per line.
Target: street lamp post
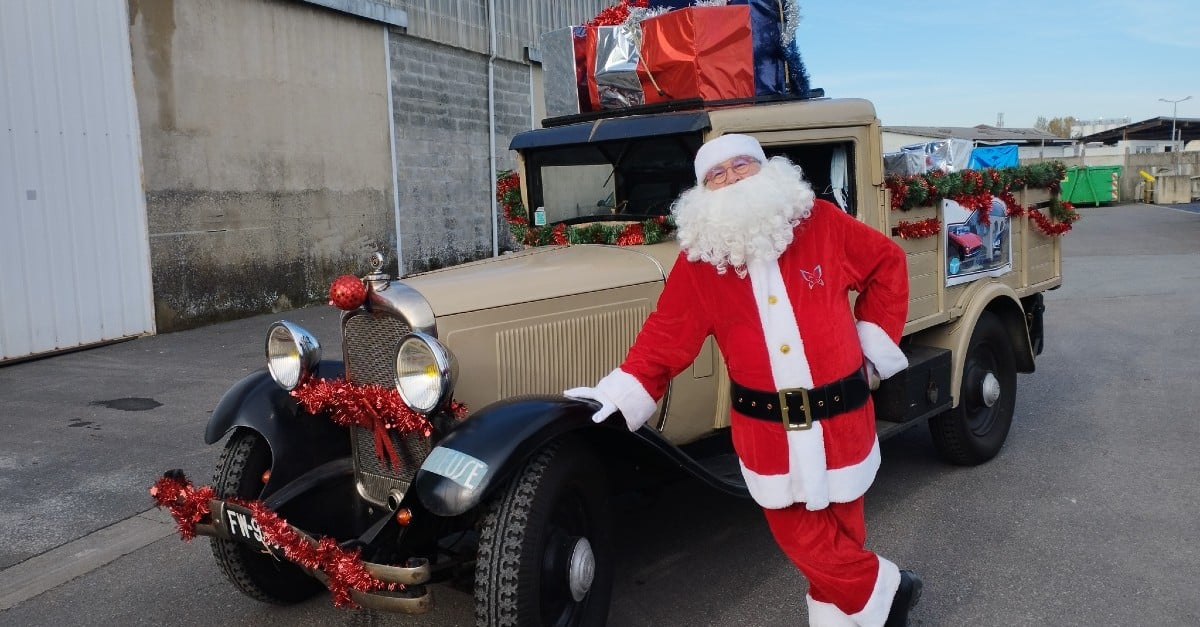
x,y
1174,117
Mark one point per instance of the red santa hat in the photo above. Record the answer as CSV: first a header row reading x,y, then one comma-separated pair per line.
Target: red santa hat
x,y
724,148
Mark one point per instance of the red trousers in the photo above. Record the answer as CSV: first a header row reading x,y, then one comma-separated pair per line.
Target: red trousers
x,y
848,585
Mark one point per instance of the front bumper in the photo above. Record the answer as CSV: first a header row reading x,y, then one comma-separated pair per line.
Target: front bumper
x,y
414,598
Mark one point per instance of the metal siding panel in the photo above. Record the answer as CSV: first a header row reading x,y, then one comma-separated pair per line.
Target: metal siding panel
x,y
75,252
14,170
35,233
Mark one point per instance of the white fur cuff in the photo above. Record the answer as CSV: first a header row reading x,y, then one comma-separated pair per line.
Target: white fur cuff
x,y
878,347
629,396
821,614
880,601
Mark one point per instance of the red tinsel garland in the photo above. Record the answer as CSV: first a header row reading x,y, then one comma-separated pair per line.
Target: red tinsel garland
x,y
1045,224
559,235
919,229
631,235
187,505
344,569
372,407
616,14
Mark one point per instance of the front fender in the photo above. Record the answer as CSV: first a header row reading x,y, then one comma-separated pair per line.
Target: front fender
x,y
470,463
299,441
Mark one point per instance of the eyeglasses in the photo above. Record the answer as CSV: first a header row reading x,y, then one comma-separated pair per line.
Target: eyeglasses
x,y
739,166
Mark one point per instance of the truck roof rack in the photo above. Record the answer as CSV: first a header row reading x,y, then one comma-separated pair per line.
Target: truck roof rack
x,y
687,104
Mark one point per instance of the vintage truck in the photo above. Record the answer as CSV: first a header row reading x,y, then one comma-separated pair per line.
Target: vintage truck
x,y
521,483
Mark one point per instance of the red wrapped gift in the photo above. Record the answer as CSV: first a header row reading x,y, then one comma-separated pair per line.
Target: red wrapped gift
x,y
698,52
584,38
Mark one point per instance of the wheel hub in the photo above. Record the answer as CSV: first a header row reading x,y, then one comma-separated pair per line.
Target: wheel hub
x,y
581,569
989,389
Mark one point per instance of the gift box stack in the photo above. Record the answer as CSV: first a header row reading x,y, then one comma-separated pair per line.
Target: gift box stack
x,y
647,51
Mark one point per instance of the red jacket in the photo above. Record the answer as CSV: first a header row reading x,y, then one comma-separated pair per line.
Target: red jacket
x,y
787,324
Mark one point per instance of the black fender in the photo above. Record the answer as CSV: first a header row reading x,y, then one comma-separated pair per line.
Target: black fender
x,y
482,453
299,441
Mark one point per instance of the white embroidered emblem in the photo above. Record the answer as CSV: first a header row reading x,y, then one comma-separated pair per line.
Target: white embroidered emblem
x,y
813,278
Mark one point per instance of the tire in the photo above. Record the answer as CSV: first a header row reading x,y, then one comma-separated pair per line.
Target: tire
x,y
545,519
259,576
975,430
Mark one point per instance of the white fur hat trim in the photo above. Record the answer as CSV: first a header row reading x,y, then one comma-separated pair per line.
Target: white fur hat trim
x,y
724,148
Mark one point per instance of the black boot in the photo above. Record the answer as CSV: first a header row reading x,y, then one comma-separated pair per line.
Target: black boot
x,y
906,598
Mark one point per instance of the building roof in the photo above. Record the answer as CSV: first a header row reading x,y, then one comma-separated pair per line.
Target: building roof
x,y
983,134
1153,129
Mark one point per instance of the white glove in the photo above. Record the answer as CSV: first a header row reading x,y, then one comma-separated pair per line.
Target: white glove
x,y
607,406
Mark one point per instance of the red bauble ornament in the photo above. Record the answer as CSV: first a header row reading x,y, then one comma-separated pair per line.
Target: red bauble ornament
x,y
347,292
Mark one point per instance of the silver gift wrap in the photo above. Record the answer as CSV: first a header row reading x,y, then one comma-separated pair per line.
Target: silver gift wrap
x,y
559,79
616,68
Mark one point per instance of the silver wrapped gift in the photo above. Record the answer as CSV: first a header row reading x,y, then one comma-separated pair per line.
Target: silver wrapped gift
x,y
616,68
948,155
560,79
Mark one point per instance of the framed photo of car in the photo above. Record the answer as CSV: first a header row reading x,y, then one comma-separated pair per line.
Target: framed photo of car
x,y
977,245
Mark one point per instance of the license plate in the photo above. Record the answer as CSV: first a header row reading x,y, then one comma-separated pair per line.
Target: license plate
x,y
243,527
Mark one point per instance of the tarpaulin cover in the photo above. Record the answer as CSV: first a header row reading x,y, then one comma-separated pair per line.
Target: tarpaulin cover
x,y
904,163
766,29
993,157
697,53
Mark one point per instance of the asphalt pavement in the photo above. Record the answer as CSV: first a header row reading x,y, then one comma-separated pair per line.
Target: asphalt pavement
x,y
1088,517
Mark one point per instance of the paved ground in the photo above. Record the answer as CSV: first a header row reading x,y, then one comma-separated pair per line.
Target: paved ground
x,y
1086,518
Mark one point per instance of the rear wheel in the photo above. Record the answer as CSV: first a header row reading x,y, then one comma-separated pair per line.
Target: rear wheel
x,y
975,431
544,549
239,473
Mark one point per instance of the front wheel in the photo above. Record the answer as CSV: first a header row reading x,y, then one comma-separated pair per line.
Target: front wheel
x,y
975,430
240,473
545,558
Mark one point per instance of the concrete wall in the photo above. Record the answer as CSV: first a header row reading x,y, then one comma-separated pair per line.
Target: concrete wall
x,y
266,153
444,174
439,77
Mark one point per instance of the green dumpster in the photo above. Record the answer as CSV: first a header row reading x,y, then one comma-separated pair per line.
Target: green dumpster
x,y
1092,184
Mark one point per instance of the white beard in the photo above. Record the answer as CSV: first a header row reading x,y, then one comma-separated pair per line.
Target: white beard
x,y
751,220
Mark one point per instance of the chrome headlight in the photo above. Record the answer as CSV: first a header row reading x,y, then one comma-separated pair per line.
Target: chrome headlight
x,y
425,372
292,354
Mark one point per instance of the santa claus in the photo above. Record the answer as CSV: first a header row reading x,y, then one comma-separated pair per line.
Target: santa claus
x,y
767,270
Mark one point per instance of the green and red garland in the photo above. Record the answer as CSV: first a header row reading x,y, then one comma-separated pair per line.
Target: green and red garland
x,y
508,193
343,568
974,189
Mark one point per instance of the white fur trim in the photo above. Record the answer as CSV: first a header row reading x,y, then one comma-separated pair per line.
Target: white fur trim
x,y
822,614
878,346
790,369
627,393
839,485
724,148
880,602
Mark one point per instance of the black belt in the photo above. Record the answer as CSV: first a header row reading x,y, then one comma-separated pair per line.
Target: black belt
x,y
828,400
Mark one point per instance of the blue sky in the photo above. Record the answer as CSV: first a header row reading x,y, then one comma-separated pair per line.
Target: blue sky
x,y
949,63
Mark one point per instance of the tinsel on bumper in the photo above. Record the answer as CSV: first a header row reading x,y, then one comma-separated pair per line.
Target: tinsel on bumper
x,y
343,568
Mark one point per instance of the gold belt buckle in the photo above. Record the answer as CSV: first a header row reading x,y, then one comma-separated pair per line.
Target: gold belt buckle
x,y
788,425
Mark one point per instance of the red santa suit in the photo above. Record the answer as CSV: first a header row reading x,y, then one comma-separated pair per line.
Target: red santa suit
x,y
788,324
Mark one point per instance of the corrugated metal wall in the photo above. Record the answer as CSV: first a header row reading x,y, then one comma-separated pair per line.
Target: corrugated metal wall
x,y
74,258
519,23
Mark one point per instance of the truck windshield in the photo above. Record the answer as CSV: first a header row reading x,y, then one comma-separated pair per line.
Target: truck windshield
x,y
617,180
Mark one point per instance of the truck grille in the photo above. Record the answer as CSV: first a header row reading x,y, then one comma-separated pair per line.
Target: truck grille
x,y
369,344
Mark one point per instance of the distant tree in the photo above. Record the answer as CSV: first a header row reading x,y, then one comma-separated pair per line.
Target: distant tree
x,y
1055,126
